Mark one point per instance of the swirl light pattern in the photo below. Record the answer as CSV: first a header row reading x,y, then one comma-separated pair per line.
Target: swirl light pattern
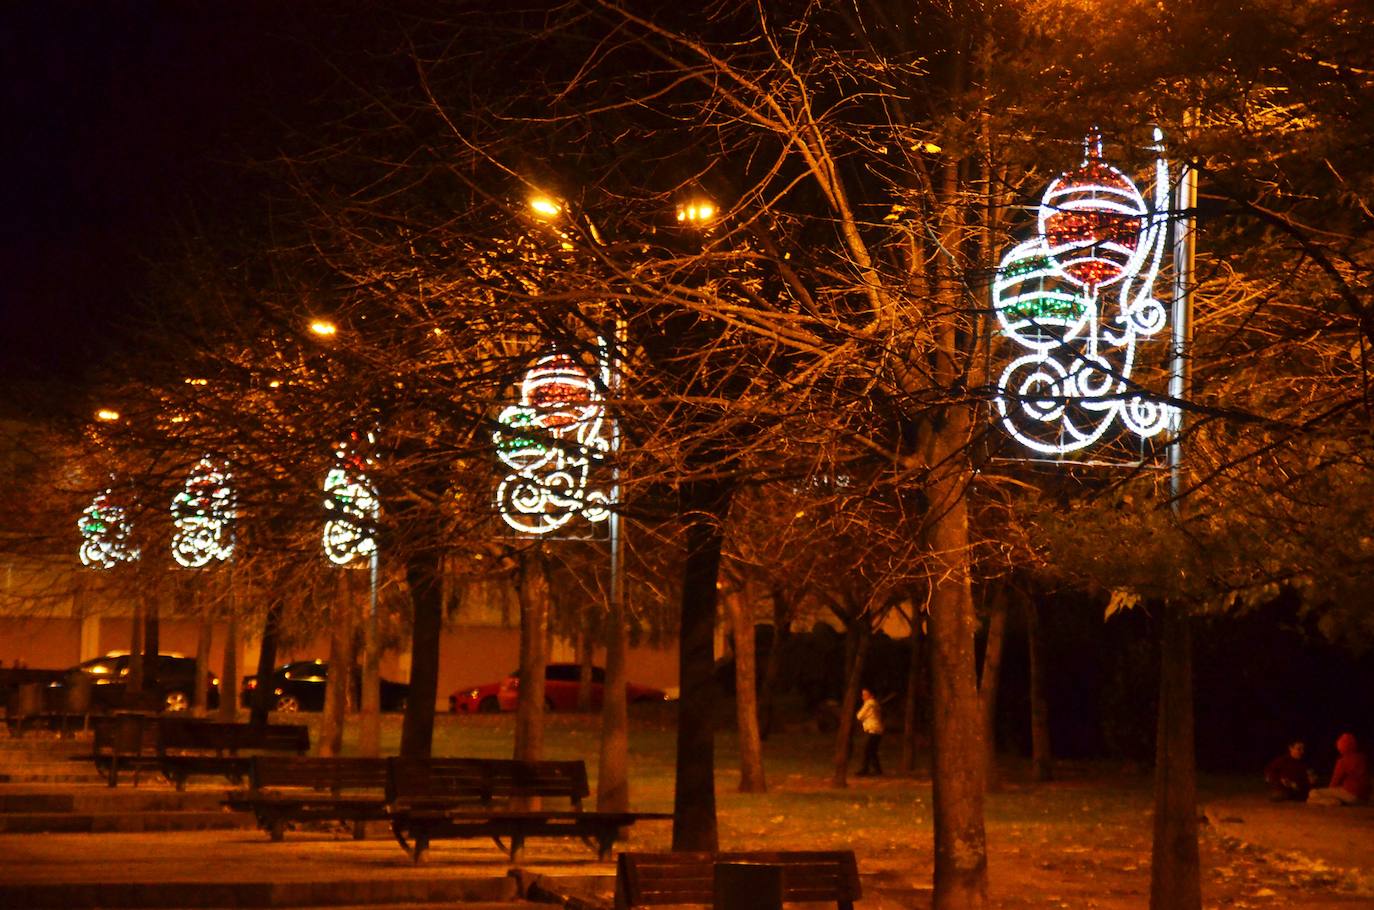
x,y
106,529
204,514
549,441
351,507
1076,301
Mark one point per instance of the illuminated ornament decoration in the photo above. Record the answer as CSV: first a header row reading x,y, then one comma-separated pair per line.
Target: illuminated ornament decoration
x,y
204,514
549,442
351,507
106,529
1077,300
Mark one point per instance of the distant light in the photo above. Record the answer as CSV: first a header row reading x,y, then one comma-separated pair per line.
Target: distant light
x,y
274,384
193,381
106,414
696,213
545,207
324,328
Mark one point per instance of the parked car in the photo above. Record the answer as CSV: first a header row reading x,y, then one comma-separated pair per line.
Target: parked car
x,y
300,686
173,679
561,685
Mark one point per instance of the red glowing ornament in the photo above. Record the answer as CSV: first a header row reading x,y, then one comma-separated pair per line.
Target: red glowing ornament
x,y
560,392
1091,219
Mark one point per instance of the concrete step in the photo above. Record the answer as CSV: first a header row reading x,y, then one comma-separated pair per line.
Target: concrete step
x,y
122,822
475,893
54,774
99,798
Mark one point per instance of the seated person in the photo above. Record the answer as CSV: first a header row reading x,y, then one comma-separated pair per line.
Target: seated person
x,y
1350,779
1288,776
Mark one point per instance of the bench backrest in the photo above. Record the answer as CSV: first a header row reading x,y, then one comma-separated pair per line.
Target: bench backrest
x,y
415,781
184,734
333,774
654,879
125,734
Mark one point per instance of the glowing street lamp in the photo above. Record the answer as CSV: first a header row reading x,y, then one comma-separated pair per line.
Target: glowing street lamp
x,y
109,415
323,328
545,207
697,212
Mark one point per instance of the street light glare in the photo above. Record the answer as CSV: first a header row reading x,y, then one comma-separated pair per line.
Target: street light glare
x,y
545,207
106,414
696,213
324,328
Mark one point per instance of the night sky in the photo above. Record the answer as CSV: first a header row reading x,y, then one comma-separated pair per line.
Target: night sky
x,y
126,123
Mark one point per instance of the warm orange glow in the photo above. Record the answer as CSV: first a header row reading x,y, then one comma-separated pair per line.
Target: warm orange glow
x,y
545,207
324,328
696,212
193,381
106,414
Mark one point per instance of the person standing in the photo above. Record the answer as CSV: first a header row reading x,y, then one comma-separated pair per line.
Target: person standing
x,y
1349,780
871,720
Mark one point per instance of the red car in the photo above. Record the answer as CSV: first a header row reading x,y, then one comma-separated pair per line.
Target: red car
x,y
560,692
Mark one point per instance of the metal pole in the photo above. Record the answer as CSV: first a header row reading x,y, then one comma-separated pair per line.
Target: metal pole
x,y
1179,372
616,595
370,726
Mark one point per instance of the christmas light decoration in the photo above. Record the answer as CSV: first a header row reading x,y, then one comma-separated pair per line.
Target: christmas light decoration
x,y
106,529
549,441
351,504
204,514
1078,299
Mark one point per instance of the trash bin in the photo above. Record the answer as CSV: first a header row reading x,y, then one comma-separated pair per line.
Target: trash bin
x,y
77,692
27,700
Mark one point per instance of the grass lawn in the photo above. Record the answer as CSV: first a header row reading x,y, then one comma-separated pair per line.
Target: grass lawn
x,y
1081,842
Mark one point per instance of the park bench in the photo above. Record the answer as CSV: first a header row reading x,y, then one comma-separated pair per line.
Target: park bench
x,y
124,741
430,799
189,747
284,789
657,879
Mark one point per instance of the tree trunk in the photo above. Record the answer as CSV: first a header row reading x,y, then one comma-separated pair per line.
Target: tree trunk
x,y
133,687
987,684
782,612
204,639
860,635
426,597
613,772
911,709
1042,759
370,715
1174,867
152,645
264,699
751,776
337,682
704,506
229,674
961,862
533,588
586,658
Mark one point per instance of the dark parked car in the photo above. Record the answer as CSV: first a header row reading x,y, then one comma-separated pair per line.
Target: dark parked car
x,y
561,685
300,686
172,677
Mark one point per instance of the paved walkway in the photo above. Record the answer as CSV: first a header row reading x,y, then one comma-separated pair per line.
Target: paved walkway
x,y
245,869
1339,840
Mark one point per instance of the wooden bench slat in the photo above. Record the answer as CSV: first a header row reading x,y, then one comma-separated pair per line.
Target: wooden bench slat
x,y
658,879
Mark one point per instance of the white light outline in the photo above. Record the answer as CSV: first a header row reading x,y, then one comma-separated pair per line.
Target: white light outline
x,y
354,498
109,546
551,462
204,530
1069,352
